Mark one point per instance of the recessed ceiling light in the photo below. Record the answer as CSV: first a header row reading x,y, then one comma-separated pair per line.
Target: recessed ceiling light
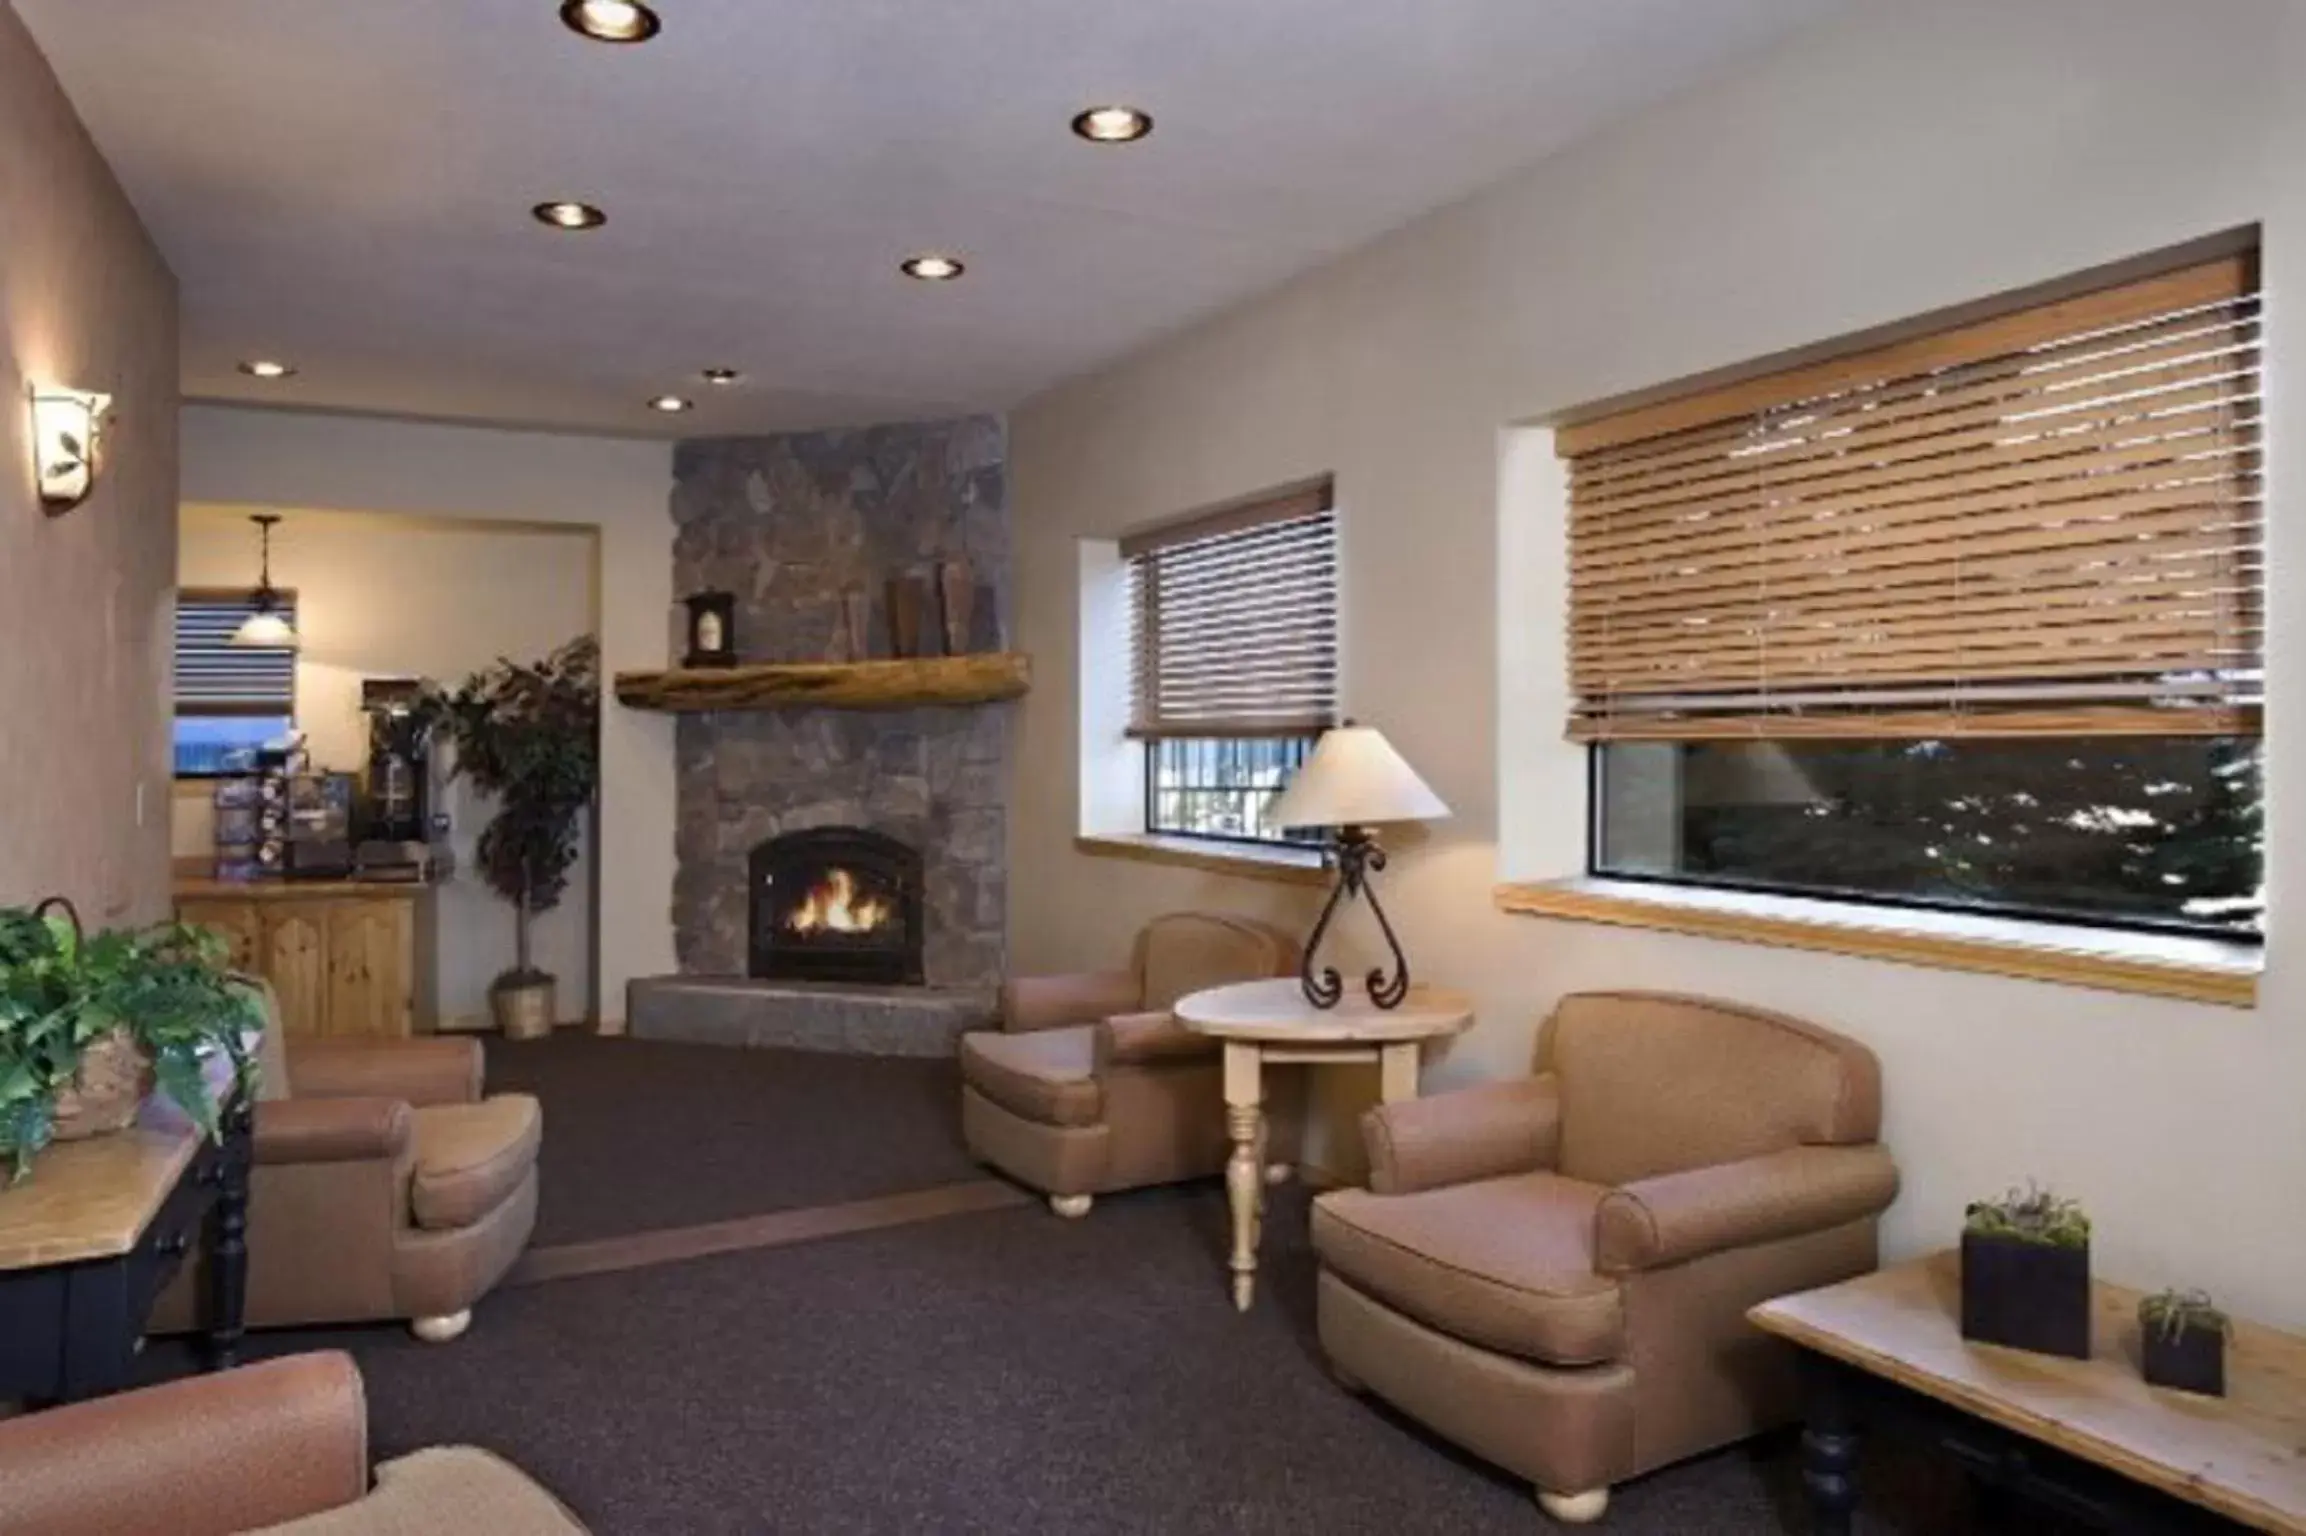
x,y
569,215
610,21
931,267
1113,125
671,405
265,368
722,376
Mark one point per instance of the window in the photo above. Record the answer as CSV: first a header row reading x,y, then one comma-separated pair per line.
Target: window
x,y
1234,658
229,700
1971,620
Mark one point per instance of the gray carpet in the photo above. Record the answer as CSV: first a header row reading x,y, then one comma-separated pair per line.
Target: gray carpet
x,y
643,1134
1007,1372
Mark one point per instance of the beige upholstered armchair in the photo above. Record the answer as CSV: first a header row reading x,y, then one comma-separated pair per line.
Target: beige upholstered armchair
x,y
1554,1272
1091,1085
385,1185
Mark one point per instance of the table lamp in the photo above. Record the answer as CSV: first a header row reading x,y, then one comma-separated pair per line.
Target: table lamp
x,y
1353,782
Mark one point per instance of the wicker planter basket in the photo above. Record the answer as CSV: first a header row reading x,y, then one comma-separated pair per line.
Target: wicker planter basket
x,y
114,1079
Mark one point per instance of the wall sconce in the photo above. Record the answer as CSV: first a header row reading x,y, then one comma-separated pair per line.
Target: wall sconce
x,y
66,427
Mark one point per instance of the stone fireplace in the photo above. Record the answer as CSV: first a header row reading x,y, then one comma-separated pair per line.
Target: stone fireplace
x,y
836,904
909,803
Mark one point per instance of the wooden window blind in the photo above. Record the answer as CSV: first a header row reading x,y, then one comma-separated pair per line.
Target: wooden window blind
x,y
215,677
2043,524
1234,620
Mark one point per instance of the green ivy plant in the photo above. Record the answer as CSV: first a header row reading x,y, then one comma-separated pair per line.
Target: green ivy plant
x,y
168,987
528,734
2030,1215
2174,1313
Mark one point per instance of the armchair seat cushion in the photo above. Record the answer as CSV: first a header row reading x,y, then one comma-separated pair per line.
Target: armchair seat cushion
x,y
1048,1075
471,1157
1504,1263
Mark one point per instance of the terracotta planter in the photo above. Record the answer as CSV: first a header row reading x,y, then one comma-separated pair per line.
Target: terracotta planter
x,y
114,1079
525,1010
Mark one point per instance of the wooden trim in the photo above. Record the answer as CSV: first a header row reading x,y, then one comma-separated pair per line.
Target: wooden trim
x,y
1282,504
1212,858
978,679
2227,985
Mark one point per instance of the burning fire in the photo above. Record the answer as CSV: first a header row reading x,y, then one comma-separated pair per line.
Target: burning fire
x,y
834,905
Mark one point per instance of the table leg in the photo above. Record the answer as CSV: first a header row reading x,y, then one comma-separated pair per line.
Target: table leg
x,y
228,1239
1397,1072
1829,1446
1245,1169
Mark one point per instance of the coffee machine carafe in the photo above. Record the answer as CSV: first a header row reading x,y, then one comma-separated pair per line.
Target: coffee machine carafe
x,y
399,790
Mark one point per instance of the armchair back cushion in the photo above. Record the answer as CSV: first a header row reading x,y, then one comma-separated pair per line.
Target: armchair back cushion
x,y
1652,1083
1187,952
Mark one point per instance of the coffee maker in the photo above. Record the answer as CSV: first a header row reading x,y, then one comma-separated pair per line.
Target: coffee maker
x,y
400,831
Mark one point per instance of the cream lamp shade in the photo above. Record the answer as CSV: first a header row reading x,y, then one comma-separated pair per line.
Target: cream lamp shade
x,y
1355,779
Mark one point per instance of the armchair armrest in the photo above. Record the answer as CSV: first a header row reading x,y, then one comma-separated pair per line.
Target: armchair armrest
x,y
1483,1132
330,1130
1141,1039
1052,1002
1675,1217
234,1451
437,1069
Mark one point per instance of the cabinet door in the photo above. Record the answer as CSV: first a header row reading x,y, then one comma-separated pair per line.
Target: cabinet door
x,y
237,921
369,969
296,962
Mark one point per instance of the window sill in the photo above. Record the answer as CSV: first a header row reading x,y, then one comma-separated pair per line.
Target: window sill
x,y
1295,866
2157,965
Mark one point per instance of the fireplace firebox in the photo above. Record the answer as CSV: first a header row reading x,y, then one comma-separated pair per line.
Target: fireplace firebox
x,y
836,904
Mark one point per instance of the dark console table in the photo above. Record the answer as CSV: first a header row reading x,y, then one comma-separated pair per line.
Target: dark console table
x,y
93,1235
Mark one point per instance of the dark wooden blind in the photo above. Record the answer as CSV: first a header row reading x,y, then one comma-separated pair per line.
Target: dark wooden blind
x,y
1234,620
2048,523
214,677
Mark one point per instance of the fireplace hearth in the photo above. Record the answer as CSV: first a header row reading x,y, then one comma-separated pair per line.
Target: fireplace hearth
x,y
839,904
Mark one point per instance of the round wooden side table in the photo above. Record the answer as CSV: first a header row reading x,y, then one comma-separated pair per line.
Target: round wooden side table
x,y
1265,1023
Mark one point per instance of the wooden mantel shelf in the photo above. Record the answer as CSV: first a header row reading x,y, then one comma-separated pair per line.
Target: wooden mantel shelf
x,y
980,679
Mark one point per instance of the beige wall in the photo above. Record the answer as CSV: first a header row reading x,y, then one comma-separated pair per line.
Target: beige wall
x,y
385,596
1903,159
87,303
244,459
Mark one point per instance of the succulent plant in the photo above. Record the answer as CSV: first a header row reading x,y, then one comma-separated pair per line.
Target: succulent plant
x,y
2030,1215
2174,1313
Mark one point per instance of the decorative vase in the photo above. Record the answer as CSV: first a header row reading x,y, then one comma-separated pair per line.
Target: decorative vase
x,y
908,605
2026,1295
956,602
2192,1359
113,1080
524,1010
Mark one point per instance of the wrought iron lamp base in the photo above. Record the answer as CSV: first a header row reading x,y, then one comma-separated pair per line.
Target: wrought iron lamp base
x,y
1358,857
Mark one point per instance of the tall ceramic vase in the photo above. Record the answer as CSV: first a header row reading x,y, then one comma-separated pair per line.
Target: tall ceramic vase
x,y
956,602
908,604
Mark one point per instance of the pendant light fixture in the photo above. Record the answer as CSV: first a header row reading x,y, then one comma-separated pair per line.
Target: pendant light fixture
x,y
266,627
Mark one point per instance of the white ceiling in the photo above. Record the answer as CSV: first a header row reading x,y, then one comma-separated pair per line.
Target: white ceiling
x,y
346,183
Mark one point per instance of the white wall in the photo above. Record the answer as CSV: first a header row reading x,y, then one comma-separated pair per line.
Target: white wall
x,y
241,460
382,596
1903,159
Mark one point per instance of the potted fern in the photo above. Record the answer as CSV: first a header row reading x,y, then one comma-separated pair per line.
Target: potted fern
x,y
2026,1273
90,1024
529,735
2182,1341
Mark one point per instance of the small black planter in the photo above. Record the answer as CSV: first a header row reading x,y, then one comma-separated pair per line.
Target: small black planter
x,y
2026,1295
2192,1359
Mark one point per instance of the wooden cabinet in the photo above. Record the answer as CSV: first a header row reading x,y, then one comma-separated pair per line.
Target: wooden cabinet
x,y
344,959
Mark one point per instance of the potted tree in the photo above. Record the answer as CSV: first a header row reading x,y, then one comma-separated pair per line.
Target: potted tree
x,y
529,735
2026,1273
2182,1341
90,1025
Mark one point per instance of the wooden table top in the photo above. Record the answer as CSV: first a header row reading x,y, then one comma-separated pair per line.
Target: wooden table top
x,y
92,1199
2242,1455
1276,1012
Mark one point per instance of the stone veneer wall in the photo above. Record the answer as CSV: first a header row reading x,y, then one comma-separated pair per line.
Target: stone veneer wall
x,y
787,524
